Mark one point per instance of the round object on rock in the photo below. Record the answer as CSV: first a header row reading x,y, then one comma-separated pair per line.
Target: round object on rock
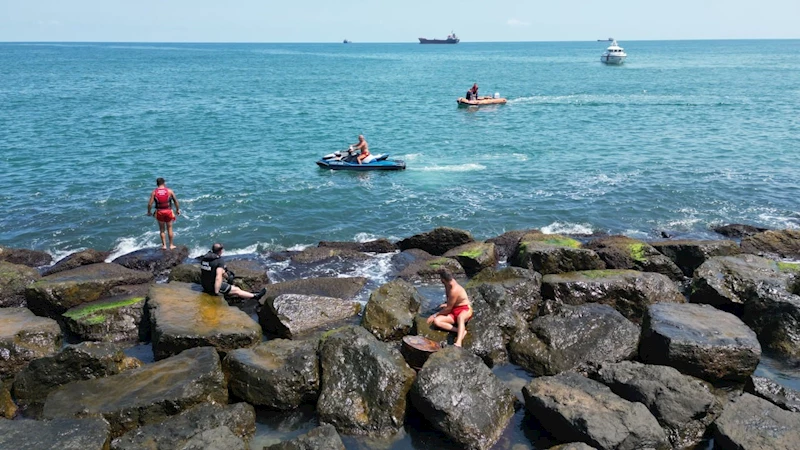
x,y
417,349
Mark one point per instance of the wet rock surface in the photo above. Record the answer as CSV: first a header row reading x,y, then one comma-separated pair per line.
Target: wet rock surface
x,y
753,423
59,434
428,270
512,287
553,253
575,337
322,437
77,259
186,428
145,395
489,331
55,294
292,315
738,230
319,255
115,319
774,314
462,398
154,260
250,275
628,291
437,241
474,256
622,252
688,255
390,311
700,341
683,405
782,396
279,374
346,288
184,317
377,246
30,258
14,278
84,361
507,242
572,407
185,273
25,337
364,383
779,244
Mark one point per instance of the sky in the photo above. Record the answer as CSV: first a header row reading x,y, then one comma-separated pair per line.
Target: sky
x,y
393,21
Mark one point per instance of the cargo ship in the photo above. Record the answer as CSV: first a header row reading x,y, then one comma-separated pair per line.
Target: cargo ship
x,y
451,39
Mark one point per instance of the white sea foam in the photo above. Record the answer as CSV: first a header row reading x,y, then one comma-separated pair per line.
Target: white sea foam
x,y
131,244
412,156
777,221
365,237
469,167
299,247
376,269
567,228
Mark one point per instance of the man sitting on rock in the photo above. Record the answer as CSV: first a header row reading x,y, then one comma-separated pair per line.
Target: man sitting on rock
x,y
456,310
217,279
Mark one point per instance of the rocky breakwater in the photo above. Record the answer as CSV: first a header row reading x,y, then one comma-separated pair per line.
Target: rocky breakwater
x,y
14,278
58,434
119,318
154,260
184,317
389,313
292,315
553,253
146,395
25,337
622,252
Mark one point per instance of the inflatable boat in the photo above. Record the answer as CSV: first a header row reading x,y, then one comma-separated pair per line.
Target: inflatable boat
x,y
481,101
347,160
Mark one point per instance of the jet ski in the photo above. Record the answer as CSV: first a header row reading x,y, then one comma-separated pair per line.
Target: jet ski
x,y
348,160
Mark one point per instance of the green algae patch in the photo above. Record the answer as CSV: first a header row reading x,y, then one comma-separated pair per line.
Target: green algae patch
x,y
788,267
438,263
558,241
473,253
83,312
595,274
637,251
95,320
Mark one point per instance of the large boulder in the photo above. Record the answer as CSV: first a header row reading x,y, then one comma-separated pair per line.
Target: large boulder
x,y
574,408
507,242
428,270
14,278
154,260
683,405
553,253
774,314
688,255
250,274
753,423
30,258
462,398
84,361
77,259
114,319
437,241
381,245
25,337
699,340
179,430
55,294
474,256
622,252
786,398
145,395
319,255
291,315
738,230
514,287
184,317
390,311
628,291
322,437
185,273
59,434
279,374
364,383
779,244
575,337
346,288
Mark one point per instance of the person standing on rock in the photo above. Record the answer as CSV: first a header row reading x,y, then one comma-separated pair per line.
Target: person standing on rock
x,y
164,198
217,279
456,311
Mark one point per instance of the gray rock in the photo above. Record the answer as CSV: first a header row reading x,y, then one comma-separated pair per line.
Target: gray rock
x,y
279,374
628,291
753,423
59,434
154,260
77,259
84,361
683,405
738,230
688,255
408,257
14,278
437,241
462,398
574,408
622,252
185,273
779,244
507,242
390,311
553,253
318,255
700,341
345,288
428,270
573,446
23,338
55,294
219,438
182,430
774,314
575,337
513,287
492,327
184,317
323,437
364,383
474,256
251,275
377,246
145,395
115,319
30,258
291,315
782,396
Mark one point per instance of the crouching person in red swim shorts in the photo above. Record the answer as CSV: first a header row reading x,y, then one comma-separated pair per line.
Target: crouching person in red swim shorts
x,y
164,198
457,311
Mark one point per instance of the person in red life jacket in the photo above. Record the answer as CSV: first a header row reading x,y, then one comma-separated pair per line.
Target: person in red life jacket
x,y
217,279
164,198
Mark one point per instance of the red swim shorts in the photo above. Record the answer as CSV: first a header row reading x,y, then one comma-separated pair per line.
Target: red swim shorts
x,y
165,215
458,310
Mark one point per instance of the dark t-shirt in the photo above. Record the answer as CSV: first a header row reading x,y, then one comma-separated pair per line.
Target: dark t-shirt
x,y
208,271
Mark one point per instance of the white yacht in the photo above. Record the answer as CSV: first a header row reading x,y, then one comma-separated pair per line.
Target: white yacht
x,y
614,54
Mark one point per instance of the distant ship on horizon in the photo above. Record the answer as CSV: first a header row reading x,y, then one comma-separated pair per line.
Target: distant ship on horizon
x,y
451,39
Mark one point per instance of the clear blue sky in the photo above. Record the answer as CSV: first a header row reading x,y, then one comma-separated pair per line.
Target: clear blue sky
x,y
393,21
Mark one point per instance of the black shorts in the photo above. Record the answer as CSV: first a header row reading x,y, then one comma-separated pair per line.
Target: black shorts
x,y
224,288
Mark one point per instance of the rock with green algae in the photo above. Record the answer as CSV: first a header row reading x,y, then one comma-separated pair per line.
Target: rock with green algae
x,y
553,253
114,319
428,270
184,317
149,394
58,434
389,313
14,278
622,252
779,244
55,294
688,255
25,337
474,256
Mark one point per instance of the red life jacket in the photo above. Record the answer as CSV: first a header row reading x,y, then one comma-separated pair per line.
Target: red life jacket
x,y
162,197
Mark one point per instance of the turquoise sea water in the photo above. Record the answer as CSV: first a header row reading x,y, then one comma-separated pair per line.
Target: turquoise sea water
x,y
684,135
